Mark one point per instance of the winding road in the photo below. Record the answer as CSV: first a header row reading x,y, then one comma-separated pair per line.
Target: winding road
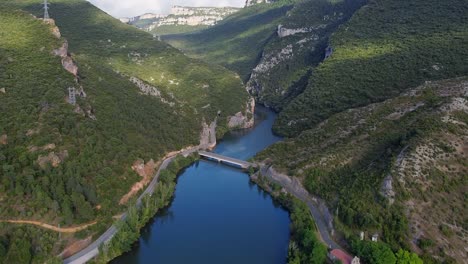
x,y
92,250
295,188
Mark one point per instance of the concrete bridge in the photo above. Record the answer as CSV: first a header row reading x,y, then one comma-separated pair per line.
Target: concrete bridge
x,y
227,160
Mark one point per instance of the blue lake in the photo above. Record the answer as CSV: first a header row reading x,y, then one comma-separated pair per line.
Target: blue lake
x,y
218,215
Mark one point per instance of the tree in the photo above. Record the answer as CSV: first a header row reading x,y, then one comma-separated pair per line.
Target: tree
x,y
406,257
19,251
319,254
374,252
3,252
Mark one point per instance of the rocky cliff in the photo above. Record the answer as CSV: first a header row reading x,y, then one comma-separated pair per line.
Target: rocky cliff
x,y
254,2
298,46
181,16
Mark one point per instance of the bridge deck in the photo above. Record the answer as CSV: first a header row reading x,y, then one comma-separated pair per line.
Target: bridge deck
x,y
220,158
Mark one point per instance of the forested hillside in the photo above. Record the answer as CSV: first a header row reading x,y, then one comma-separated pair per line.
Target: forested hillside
x,y
387,47
397,168
136,99
380,165
274,47
298,46
237,42
331,69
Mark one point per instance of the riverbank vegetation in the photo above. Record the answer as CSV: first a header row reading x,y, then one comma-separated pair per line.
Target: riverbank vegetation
x,y
138,216
304,246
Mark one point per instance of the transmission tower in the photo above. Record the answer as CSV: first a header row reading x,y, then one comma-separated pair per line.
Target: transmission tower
x,y
71,95
46,10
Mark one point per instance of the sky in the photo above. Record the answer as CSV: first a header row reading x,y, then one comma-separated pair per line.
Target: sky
x,y
130,8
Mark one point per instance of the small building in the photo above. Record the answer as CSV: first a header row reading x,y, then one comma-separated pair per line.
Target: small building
x,y
375,237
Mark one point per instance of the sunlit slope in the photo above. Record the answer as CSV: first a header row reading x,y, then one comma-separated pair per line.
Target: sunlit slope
x,y
387,47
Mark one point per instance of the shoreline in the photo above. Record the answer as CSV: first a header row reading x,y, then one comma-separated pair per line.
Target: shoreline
x,y
92,250
291,186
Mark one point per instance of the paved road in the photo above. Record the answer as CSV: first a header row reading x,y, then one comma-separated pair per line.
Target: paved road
x,y
92,250
296,189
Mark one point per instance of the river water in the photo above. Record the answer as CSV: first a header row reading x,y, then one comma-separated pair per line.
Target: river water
x,y
218,215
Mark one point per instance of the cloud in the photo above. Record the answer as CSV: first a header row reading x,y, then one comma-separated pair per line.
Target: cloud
x,y
129,8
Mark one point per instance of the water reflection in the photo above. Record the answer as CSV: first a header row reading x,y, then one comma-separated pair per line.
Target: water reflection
x,y
218,215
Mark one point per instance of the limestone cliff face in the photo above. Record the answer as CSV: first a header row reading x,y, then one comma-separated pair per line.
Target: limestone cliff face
x,y
208,135
254,2
182,15
241,120
67,62
283,72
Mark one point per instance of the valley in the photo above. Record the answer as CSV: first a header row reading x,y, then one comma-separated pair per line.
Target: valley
x,y
366,153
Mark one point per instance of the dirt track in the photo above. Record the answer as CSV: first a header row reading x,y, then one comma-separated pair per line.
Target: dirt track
x,y
51,227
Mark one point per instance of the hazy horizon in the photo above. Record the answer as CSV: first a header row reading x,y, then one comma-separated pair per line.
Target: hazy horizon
x,y
125,8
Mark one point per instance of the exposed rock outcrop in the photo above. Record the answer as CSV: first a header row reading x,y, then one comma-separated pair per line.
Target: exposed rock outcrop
x,y
45,147
67,62
146,171
239,120
267,63
254,2
182,15
4,139
150,90
54,159
69,65
3,90
284,32
208,135
54,29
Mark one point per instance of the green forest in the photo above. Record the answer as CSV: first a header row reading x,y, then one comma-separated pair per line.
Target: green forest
x,y
237,41
67,165
387,47
369,93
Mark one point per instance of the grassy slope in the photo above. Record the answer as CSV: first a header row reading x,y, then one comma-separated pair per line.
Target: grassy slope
x,y
387,47
236,42
346,158
129,125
